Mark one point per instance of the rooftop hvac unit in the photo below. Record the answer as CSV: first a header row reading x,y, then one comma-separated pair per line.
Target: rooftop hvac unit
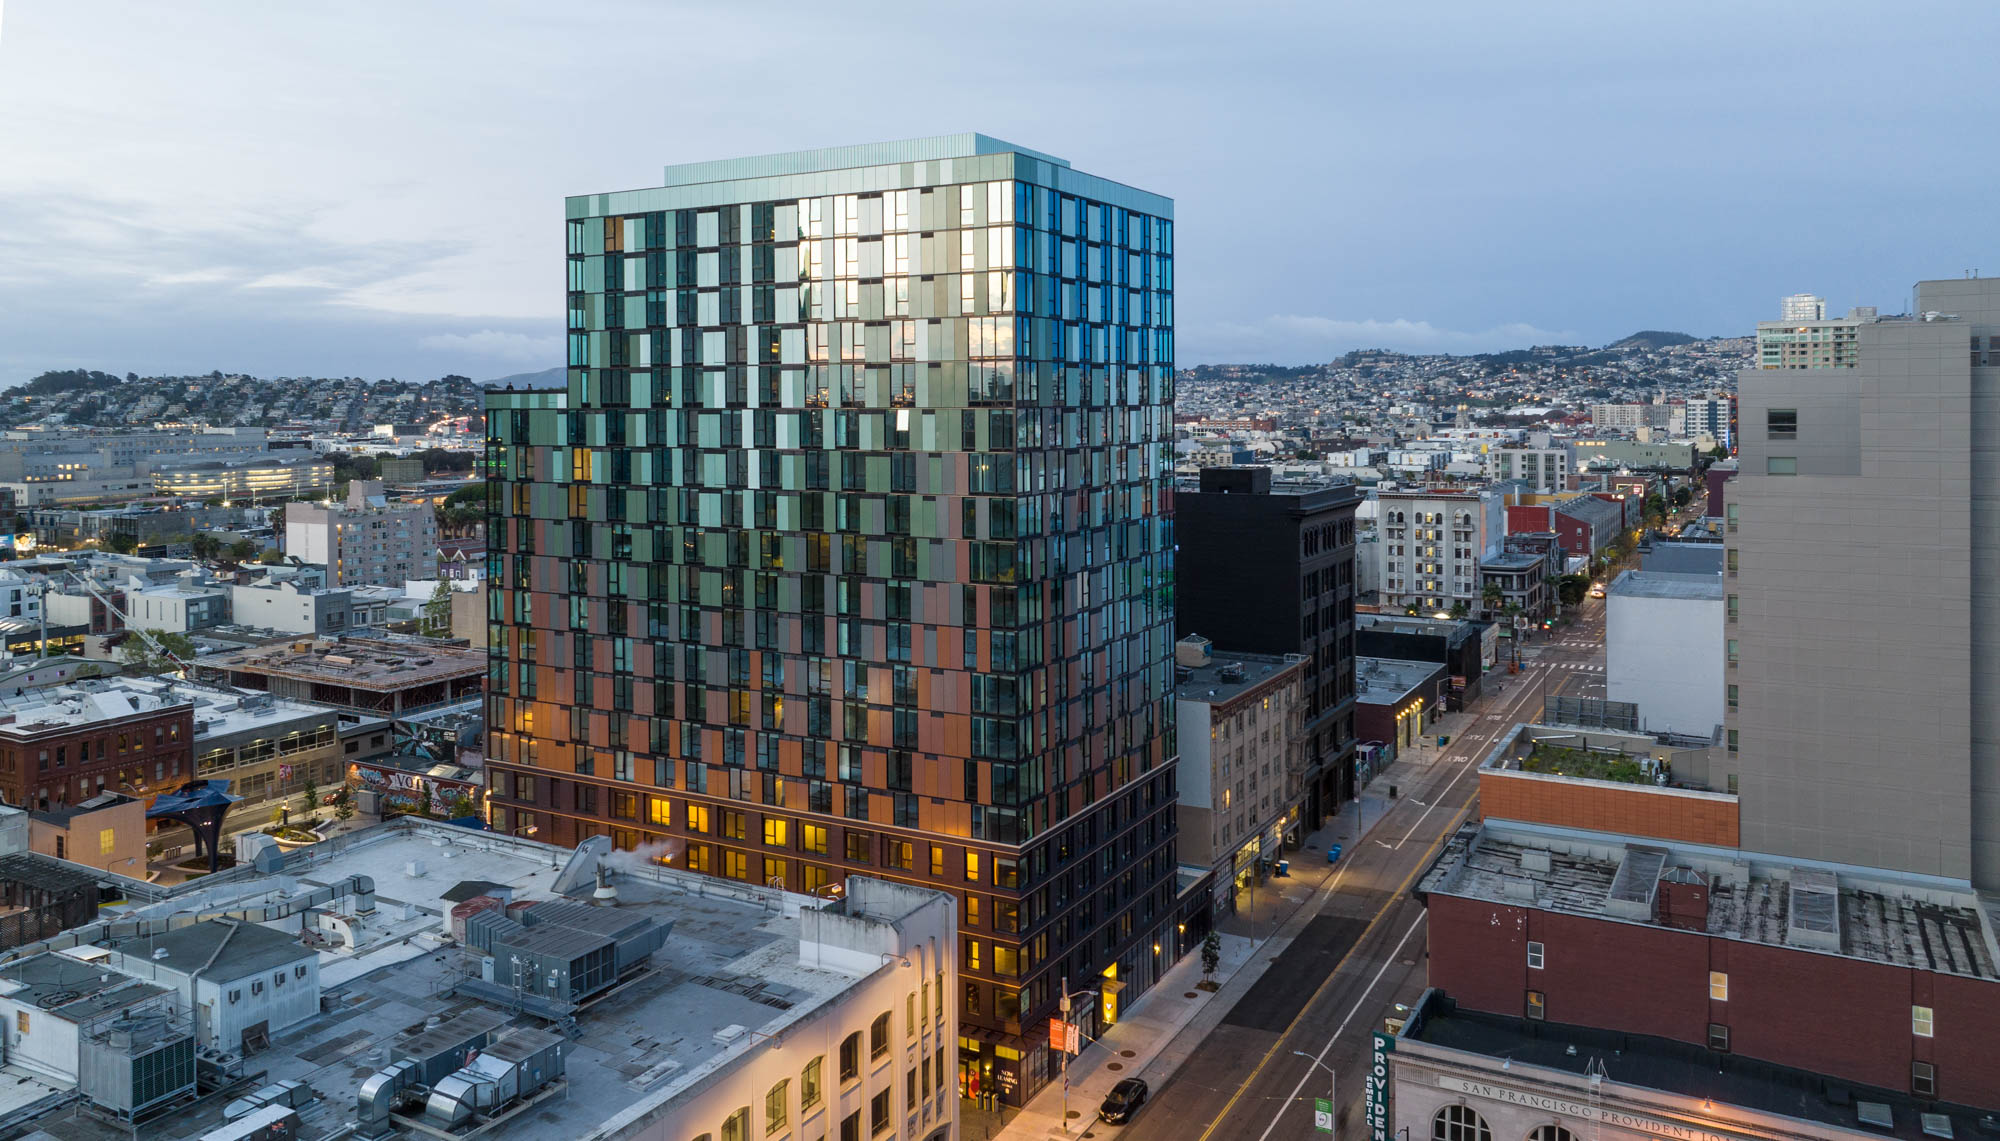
x,y
135,1062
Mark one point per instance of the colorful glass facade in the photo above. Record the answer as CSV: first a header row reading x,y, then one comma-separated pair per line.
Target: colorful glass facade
x,y
848,548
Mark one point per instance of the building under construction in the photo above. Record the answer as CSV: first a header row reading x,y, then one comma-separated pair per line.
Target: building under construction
x,y
363,675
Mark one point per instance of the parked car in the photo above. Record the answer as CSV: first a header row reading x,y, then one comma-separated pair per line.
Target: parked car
x,y
1124,1099
1597,592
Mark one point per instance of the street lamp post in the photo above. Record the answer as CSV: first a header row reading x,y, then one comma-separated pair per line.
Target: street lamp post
x,y
1331,1079
1065,1052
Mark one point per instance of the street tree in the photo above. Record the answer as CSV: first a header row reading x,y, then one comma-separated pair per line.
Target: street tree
x,y
437,612
140,656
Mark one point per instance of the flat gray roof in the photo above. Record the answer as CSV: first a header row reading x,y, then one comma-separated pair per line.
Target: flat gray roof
x,y
1386,681
968,145
231,949
731,959
1661,584
1206,683
70,988
1881,918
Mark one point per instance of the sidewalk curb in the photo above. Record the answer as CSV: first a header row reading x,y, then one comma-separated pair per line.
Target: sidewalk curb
x,y
1163,1058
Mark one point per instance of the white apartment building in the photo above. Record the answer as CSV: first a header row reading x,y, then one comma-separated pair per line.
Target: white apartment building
x,y
1618,417
1710,416
1802,307
1433,541
18,597
1545,470
366,541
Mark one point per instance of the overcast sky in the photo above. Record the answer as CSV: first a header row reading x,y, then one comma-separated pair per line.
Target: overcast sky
x,y
376,189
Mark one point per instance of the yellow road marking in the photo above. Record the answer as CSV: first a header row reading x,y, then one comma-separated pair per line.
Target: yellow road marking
x,y
1394,898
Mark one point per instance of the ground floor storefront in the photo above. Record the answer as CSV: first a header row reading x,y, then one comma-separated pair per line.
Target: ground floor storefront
x,y
996,1070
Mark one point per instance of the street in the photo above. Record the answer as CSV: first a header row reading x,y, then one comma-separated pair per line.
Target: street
x,y
1362,949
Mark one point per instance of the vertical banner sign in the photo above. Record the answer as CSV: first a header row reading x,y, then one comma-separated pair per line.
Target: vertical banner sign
x,y
1378,1087
1322,1115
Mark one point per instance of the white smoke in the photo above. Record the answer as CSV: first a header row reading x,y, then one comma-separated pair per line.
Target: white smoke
x,y
655,854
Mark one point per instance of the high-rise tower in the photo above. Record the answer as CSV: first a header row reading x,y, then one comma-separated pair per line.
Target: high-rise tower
x,y
847,547
1863,566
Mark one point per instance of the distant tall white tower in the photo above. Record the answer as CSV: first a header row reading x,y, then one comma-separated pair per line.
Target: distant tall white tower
x,y
1804,307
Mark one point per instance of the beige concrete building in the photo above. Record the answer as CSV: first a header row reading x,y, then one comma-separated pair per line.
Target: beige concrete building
x,y
108,831
1243,760
1804,337
1862,607
366,541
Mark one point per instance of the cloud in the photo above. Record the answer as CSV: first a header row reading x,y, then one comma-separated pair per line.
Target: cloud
x,y
496,344
1295,337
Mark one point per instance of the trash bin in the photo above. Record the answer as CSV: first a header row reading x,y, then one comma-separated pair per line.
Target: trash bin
x,y
1392,792
1284,868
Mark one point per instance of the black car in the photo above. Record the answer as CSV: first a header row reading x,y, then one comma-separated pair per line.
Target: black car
x,y
1125,1098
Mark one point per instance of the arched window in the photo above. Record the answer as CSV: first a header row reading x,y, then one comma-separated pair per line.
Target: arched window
x,y
1459,1123
777,1106
878,1036
1551,1133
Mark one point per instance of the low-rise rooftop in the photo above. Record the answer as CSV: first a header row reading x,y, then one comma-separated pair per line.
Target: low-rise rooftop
x,y
362,663
67,708
1387,681
1227,675
1664,584
737,967
71,988
1860,913
1450,629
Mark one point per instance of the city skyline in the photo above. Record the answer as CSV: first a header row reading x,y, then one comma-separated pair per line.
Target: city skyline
x,y
253,202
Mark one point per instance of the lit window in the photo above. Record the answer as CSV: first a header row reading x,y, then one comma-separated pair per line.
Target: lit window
x,y
1921,1021
1718,986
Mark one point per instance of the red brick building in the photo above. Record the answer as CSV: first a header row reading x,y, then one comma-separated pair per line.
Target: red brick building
x,y
64,746
1860,975
1583,524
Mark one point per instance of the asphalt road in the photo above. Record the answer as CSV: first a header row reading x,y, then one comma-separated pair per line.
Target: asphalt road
x,y
1363,949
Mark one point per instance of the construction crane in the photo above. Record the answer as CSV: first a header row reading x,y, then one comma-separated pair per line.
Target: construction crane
x,y
185,667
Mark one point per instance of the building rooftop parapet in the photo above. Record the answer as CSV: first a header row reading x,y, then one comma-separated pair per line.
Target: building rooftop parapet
x,y
1386,681
1643,1085
1881,916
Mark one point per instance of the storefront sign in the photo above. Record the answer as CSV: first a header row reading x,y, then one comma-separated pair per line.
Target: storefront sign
x,y
1607,1115
1008,1081
1378,1086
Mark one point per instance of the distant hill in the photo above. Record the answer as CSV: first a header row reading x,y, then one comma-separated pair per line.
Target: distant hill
x,y
547,378
1653,339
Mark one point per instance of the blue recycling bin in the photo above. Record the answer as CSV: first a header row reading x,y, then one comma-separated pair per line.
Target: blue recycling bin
x,y
1284,868
1333,853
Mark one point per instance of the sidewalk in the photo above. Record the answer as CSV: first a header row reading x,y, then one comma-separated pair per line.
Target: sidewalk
x,y
1157,1034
